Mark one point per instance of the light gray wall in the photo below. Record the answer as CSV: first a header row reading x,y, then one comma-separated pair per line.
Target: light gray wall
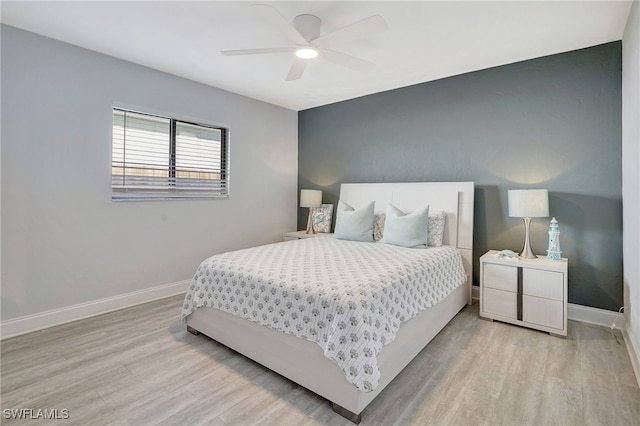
x,y
552,122
631,177
64,241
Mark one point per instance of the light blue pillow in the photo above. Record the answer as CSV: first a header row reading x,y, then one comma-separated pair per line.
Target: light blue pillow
x,y
406,230
354,224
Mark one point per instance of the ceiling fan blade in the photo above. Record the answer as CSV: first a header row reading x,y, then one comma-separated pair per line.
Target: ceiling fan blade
x,y
371,25
296,70
345,60
257,51
281,22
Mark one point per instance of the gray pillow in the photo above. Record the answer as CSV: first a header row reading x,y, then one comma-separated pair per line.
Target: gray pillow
x,y
437,222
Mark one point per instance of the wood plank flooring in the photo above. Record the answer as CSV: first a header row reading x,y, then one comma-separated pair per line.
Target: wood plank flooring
x,y
139,366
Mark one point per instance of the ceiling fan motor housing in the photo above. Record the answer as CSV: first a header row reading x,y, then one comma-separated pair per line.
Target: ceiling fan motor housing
x,y
308,26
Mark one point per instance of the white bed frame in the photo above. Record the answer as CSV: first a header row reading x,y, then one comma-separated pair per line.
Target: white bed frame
x,y
303,361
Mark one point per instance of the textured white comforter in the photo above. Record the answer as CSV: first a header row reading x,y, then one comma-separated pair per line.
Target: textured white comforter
x,y
349,297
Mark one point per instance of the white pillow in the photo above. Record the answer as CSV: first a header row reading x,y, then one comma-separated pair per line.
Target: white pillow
x,y
354,224
406,230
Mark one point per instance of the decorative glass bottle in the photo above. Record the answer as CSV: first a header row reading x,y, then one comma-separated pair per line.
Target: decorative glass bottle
x,y
554,252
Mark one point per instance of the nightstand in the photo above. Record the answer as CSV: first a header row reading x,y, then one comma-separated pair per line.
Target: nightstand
x,y
527,292
298,235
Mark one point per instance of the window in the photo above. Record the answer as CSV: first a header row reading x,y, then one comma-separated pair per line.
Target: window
x,y
160,158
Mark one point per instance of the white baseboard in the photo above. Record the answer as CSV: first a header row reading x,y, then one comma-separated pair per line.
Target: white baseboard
x,y
29,323
595,316
475,292
634,352
17,326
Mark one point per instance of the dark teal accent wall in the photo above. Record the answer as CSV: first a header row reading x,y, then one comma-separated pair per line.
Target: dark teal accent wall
x,y
552,122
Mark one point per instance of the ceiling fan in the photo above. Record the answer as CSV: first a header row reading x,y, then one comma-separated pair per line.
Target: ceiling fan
x,y
305,33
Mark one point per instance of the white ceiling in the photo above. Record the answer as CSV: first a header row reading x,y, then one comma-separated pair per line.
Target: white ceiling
x,y
425,40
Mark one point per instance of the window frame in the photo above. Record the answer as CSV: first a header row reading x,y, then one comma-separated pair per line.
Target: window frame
x,y
172,191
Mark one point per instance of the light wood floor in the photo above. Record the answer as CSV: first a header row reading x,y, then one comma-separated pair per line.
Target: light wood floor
x,y
139,366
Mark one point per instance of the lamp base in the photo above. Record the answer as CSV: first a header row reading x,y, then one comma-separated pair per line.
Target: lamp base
x,y
310,229
527,251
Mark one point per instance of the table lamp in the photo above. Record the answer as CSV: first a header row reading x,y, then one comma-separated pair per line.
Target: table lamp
x,y
310,198
528,203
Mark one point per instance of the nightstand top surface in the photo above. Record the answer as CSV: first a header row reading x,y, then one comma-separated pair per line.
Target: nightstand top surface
x,y
541,261
303,234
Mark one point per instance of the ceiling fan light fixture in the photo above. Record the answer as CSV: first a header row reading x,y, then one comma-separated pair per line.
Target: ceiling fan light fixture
x,y
306,52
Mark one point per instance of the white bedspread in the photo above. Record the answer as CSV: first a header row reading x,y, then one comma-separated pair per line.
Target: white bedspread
x,y
349,297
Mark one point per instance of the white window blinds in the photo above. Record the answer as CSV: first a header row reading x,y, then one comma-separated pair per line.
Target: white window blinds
x,y
156,157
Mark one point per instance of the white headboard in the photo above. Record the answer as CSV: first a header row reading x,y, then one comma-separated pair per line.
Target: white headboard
x,y
456,198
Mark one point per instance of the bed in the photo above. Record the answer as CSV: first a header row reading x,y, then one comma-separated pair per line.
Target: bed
x,y
308,352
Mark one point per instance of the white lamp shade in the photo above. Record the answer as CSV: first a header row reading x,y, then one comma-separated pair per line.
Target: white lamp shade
x,y
310,198
528,203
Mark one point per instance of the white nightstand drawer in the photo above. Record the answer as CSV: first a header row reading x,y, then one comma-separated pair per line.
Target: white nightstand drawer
x,y
540,283
501,277
545,312
500,302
